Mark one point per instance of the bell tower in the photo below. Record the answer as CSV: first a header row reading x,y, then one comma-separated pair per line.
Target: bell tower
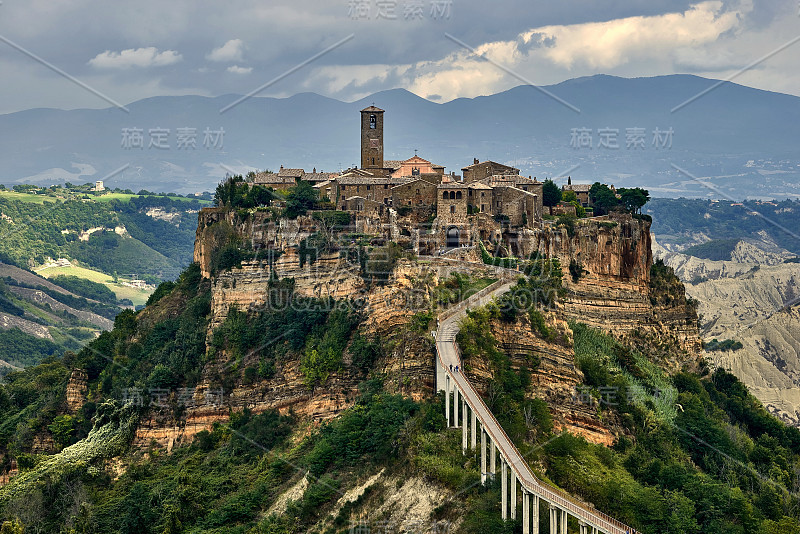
x,y
372,139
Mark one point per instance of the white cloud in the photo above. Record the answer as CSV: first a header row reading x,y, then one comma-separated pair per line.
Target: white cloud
x,y
546,54
605,45
236,69
230,51
135,57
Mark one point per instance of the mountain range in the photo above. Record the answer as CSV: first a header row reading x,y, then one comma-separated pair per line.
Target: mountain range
x,y
668,130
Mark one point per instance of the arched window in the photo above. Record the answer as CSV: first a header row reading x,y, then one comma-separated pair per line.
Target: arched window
x,y
458,195
452,195
444,195
372,122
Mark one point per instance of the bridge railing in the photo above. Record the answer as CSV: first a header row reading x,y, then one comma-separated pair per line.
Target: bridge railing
x,y
466,303
547,491
550,493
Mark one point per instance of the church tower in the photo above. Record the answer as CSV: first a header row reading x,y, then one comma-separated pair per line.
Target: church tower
x,y
372,139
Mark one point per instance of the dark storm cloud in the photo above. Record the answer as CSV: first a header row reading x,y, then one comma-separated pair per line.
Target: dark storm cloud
x,y
277,36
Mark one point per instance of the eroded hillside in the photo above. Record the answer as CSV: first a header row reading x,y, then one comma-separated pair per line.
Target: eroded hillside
x,y
285,383
751,299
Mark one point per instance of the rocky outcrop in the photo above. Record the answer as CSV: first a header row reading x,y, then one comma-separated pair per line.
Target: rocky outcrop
x,y
249,288
76,390
606,271
611,291
555,379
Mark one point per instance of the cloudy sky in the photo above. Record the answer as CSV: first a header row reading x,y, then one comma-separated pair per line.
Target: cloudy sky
x,y
347,49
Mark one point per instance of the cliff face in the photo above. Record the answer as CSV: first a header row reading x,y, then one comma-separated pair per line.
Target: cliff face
x,y
611,291
554,380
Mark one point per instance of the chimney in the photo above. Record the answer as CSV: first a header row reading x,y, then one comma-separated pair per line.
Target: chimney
x,y
475,161
281,167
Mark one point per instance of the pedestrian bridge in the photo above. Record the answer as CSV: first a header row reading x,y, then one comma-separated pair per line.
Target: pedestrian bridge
x,y
465,408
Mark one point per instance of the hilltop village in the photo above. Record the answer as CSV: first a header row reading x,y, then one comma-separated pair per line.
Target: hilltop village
x,y
400,346
416,202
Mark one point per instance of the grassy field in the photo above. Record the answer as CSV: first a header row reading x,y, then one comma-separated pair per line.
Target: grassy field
x,y
125,197
107,197
137,296
24,197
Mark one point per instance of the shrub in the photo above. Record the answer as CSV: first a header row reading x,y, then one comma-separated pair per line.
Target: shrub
x,y
575,270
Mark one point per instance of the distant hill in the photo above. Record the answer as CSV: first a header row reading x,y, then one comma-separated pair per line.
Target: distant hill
x,y
147,237
741,137
714,229
40,318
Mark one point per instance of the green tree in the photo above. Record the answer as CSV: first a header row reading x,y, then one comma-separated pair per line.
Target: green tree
x,y
230,192
300,199
634,198
12,527
551,193
569,196
603,198
62,428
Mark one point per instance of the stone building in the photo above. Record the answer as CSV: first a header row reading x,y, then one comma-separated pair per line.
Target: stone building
x,y
286,177
485,206
414,193
274,180
364,206
479,170
581,191
563,208
417,167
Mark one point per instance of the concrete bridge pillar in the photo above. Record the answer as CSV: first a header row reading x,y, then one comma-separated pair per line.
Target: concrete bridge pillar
x,y
464,426
562,524
504,489
513,494
447,400
535,514
583,528
526,518
455,404
493,461
473,437
553,520
483,456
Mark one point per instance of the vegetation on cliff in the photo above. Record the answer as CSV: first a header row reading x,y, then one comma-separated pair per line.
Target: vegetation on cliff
x,y
694,452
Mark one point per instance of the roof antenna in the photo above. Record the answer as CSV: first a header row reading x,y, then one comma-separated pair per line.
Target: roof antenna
x,y
415,151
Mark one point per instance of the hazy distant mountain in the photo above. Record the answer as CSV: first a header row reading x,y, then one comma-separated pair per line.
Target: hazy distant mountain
x,y
742,137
